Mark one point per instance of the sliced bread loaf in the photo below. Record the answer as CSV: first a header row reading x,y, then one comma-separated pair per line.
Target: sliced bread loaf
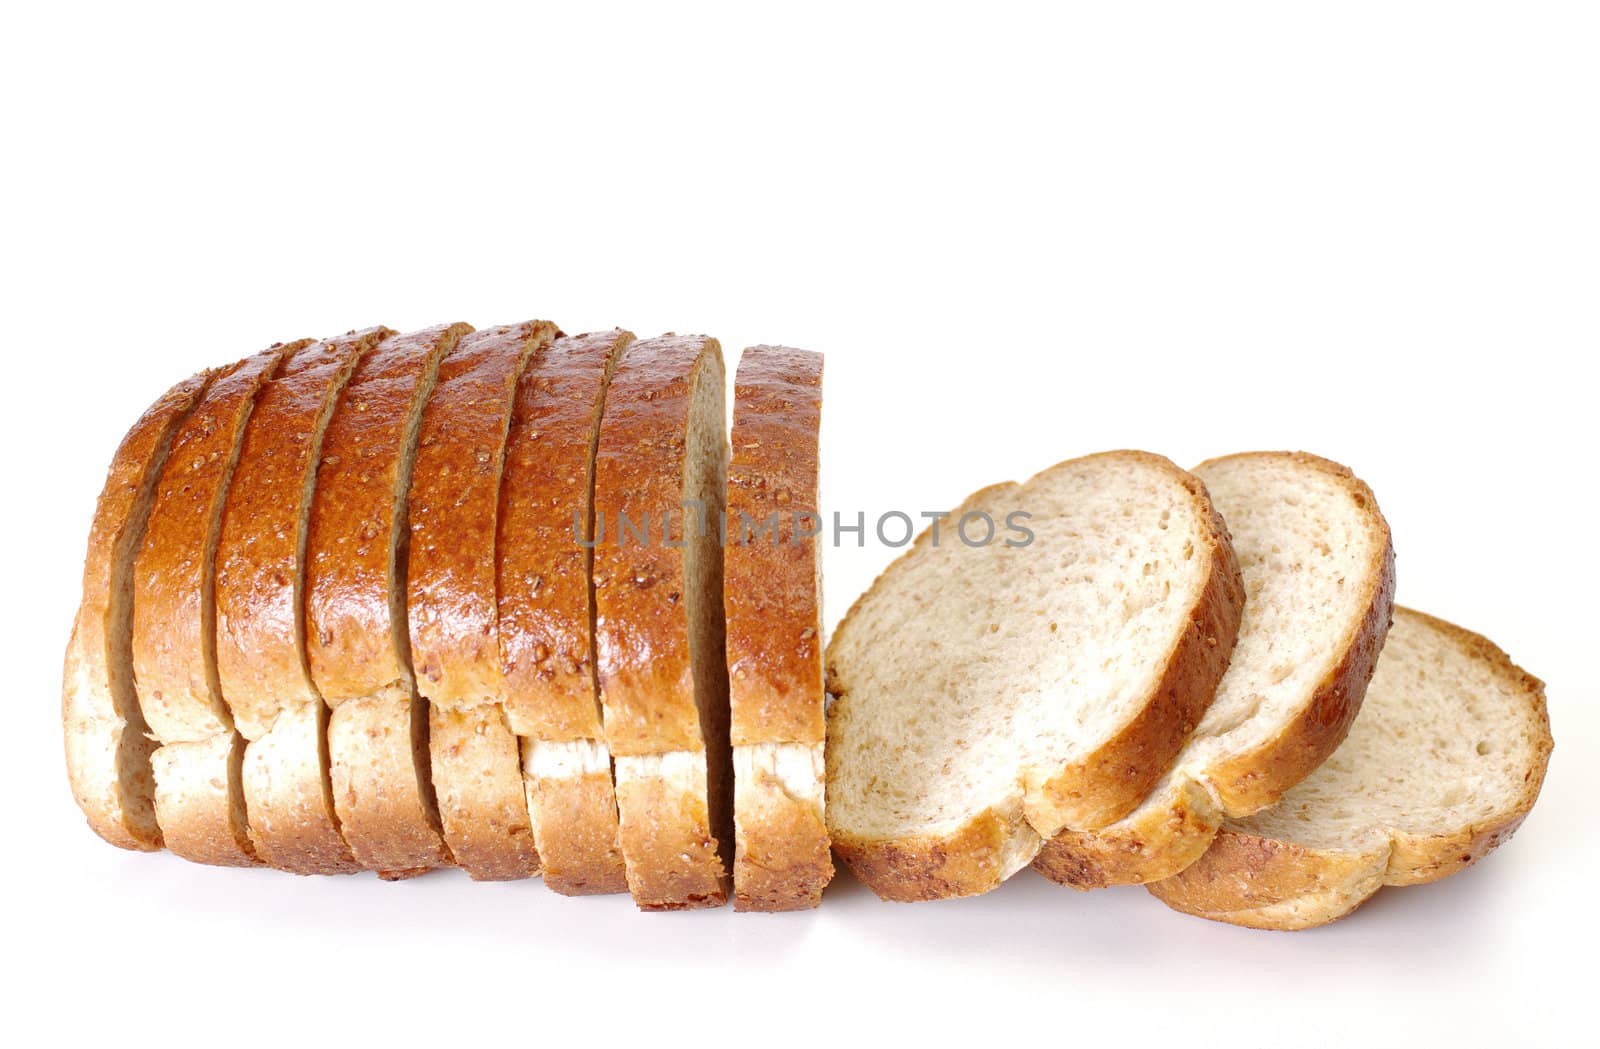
x,y
1443,763
544,557
988,694
260,575
1318,570
199,801
451,605
107,742
773,585
355,592
661,474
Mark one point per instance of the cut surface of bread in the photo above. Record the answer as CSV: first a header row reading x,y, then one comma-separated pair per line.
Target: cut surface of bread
x,y
107,743
988,695
451,604
661,474
356,639
1318,569
772,583
260,574
1442,764
546,612
174,625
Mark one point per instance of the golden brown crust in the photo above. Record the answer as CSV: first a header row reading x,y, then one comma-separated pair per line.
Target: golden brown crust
x,y
1105,786
641,621
1251,781
674,861
477,772
545,604
1265,883
575,830
454,503
388,814
199,800
1167,840
968,862
771,582
782,860
351,642
107,742
258,570
174,613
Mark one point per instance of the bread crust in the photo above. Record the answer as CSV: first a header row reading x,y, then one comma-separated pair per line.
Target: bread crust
x,y
199,800
773,600
546,604
107,743
1166,840
1099,788
174,612
451,600
1265,883
356,644
289,799
674,857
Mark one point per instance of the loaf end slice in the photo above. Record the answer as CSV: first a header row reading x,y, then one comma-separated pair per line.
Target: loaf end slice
x,y
773,596
1036,669
1318,568
108,745
1442,764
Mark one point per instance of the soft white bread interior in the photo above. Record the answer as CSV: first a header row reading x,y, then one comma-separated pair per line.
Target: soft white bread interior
x,y
989,694
662,469
1318,569
108,744
1443,763
772,588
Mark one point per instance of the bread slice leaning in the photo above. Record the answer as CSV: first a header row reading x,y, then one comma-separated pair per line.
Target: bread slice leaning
x,y
661,473
356,640
544,559
198,798
1033,664
451,605
1443,763
260,575
1318,568
772,579
107,742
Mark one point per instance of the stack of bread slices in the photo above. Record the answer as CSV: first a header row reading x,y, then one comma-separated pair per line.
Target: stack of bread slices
x,y
518,602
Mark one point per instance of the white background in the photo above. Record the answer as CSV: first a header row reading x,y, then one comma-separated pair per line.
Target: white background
x,y
1020,235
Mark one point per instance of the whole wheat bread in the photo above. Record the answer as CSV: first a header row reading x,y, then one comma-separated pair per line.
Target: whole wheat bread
x,y
1318,569
108,744
544,558
661,473
355,591
451,604
199,800
1443,763
987,696
773,585
260,573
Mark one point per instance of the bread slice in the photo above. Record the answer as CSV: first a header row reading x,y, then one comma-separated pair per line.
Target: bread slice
x,y
661,474
198,801
988,695
260,576
773,585
356,640
544,557
1318,569
107,743
1443,763
451,604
